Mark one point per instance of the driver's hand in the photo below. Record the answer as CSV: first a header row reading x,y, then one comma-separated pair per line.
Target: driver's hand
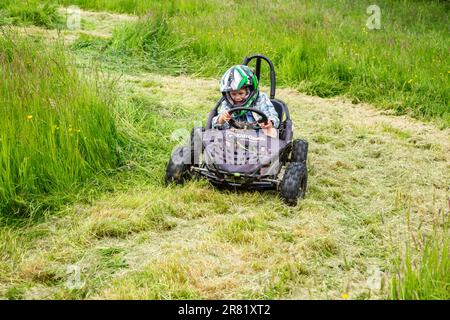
x,y
225,116
266,125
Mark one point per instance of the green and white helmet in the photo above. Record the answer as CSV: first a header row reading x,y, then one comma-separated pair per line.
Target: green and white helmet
x,y
236,78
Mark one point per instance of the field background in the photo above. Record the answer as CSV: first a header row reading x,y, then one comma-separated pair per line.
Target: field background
x,y
89,115
320,47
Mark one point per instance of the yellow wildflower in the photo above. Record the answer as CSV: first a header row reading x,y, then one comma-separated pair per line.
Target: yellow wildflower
x,y
29,117
345,295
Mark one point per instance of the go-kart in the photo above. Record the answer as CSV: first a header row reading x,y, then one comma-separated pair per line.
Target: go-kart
x,y
242,156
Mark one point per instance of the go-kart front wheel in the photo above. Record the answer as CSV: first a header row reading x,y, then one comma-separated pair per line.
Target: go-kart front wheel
x,y
299,150
293,185
178,168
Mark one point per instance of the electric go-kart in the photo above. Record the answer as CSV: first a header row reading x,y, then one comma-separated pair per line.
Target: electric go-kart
x,y
244,157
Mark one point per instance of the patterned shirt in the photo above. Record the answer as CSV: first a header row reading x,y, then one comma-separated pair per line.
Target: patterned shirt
x,y
263,103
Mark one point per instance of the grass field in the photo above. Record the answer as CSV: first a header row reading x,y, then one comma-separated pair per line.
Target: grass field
x,y
374,224
143,240
321,48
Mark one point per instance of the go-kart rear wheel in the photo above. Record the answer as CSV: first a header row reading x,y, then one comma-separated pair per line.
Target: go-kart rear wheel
x,y
179,165
293,185
299,150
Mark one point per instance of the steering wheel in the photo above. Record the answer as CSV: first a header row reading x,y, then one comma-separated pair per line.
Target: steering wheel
x,y
245,124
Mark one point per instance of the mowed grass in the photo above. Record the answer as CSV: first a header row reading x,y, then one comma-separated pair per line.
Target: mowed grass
x,y
319,47
371,189
56,131
146,241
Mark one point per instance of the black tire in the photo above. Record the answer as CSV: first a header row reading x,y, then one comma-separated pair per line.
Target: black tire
x,y
293,185
299,150
178,168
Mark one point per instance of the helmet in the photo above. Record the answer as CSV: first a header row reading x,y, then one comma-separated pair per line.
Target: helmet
x,y
236,78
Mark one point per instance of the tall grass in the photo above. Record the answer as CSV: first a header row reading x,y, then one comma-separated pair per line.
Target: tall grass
x,y
56,130
423,273
150,41
321,47
30,12
143,7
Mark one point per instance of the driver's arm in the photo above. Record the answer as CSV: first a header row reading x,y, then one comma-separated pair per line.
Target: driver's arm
x,y
224,117
266,106
215,121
